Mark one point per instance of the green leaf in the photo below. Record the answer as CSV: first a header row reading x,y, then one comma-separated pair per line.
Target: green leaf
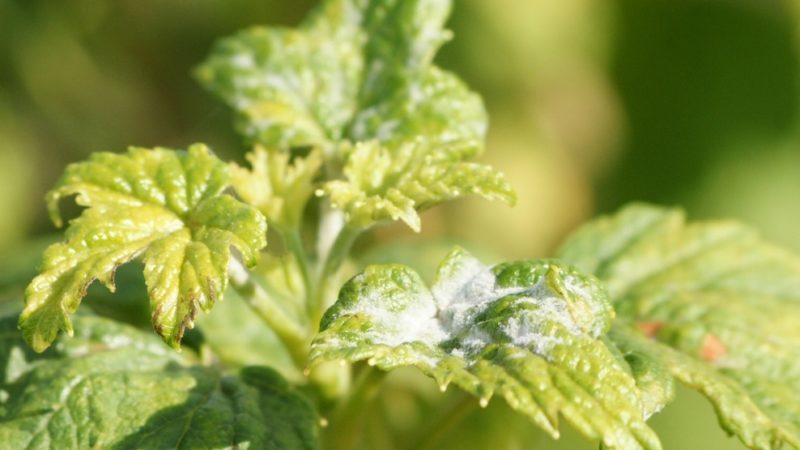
x,y
278,187
529,331
721,305
239,338
383,184
356,79
655,383
357,70
167,206
115,387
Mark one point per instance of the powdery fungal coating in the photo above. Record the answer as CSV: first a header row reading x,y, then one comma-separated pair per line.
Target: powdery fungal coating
x,y
454,313
353,70
528,331
357,81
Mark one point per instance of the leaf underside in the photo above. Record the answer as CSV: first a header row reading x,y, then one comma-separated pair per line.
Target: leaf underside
x,y
114,387
356,80
712,304
164,205
531,332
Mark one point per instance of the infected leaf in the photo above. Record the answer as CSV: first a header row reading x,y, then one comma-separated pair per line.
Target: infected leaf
x,y
530,332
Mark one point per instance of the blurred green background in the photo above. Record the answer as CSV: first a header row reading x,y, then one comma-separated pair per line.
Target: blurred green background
x,y
592,103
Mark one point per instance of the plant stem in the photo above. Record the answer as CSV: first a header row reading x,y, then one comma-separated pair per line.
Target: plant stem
x,y
294,335
430,435
346,417
329,382
330,265
294,245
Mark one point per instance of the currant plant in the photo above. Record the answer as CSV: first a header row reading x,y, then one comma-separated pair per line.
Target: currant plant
x,y
353,126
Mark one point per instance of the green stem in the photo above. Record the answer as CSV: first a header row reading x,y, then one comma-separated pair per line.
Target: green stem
x,y
330,266
294,335
431,435
294,244
329,382
347,416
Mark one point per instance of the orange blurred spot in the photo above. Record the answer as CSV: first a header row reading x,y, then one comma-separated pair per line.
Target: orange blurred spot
x,y
649,328
712,348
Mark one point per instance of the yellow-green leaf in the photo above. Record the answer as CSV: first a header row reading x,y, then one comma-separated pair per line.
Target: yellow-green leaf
x,y
164,205
713,303
389,184
278,187
357,80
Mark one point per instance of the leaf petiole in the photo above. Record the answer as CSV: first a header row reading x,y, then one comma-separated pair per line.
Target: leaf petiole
x,y
294,335
452,414
347,416
294,244
328,268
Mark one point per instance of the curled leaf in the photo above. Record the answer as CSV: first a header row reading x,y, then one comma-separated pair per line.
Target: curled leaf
x,y
354,70
530,332
390,184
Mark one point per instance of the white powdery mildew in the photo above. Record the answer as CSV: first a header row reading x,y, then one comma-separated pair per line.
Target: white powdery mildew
x,y
526,332
549,306
465,288
470,288
473,342
415,322
467,283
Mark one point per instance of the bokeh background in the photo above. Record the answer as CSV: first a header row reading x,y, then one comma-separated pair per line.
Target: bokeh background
x,y
592,103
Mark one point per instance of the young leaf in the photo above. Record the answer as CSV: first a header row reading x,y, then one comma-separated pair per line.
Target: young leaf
x,y
115,387
383,184
165,205
721,305
277,187
357,70
529,331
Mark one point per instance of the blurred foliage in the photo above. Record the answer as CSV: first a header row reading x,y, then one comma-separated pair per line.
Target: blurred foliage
x,y
592,104
711,91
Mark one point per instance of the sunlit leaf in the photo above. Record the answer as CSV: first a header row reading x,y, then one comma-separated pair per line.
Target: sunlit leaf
x,y
721,306
278,187
166,206
528,331
356,80
357,70
383,184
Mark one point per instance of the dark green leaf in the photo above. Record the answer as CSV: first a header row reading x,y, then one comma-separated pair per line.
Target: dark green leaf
x,y
114,387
